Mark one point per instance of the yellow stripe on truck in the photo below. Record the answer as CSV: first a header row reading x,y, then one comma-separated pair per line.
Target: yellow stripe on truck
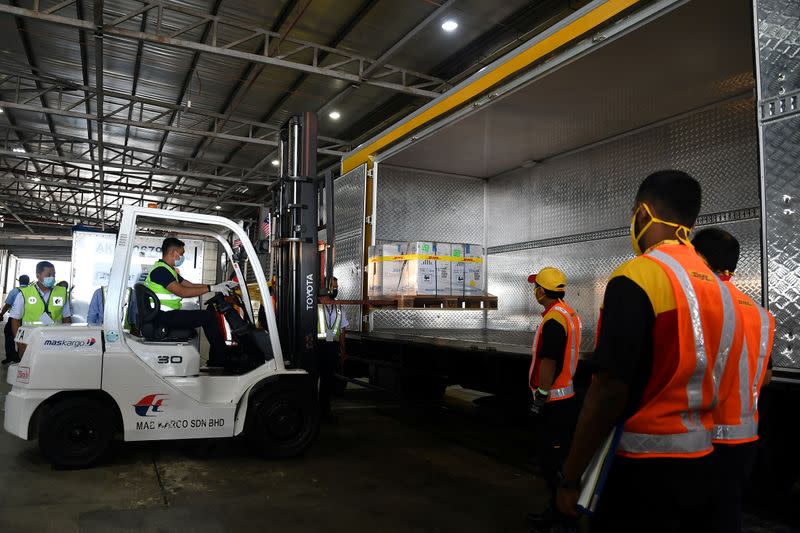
x,y
425,257
575,29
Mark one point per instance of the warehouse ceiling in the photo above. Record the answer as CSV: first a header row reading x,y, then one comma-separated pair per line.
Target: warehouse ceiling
x,y
184,112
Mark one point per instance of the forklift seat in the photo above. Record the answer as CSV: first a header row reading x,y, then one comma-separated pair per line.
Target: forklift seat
x,y
144,314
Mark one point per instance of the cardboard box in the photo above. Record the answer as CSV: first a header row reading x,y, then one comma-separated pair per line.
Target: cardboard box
x,y
444,268
419,277
457,281
386,273
474,261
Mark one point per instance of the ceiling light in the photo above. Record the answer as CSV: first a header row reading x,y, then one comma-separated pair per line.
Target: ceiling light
x,y
335,115
18,150
37,179
48,199
2,111
449,25
275,162
217,206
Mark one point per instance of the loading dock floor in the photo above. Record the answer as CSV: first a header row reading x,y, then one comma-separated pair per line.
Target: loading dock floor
x,y
380,468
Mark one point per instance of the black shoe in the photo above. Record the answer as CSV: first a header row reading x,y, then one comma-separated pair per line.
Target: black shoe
x,y
6,361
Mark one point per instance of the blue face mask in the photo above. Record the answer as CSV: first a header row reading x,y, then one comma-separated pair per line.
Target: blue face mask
x,y
49,282
179,261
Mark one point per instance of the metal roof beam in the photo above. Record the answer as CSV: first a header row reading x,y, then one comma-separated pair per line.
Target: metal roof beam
x,y
19,85
125,152
223,44
123,167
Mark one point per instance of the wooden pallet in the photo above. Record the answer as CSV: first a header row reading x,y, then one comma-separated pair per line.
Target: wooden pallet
x,y
424,302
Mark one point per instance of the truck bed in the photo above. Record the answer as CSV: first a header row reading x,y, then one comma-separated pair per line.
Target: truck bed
x,y
488,340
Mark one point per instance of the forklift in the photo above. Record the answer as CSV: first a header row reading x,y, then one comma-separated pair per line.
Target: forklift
x,y
77,387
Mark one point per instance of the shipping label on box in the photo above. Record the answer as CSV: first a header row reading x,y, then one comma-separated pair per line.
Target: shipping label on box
x,y
421,269
444,268
473,270
457,280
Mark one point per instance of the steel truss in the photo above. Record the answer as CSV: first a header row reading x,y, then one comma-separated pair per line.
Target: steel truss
x,y
181,27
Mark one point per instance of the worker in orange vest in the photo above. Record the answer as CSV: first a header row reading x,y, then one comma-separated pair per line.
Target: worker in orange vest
x,y
665,322
736,414
555,352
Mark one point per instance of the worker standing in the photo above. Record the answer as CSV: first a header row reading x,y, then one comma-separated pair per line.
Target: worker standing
x,y
42,303
555,351
97,307
665,322
736,414
171,289
11,346
331,326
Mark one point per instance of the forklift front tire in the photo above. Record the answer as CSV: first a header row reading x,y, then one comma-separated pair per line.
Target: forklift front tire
x,y
282,419
75,432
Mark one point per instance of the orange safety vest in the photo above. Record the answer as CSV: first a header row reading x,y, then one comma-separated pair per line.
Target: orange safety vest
x,y
675,416
736,416
562,387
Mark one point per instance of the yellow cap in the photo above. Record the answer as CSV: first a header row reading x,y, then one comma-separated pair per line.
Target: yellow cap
x,y
549,278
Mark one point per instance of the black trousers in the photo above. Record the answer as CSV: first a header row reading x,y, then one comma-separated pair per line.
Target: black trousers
x,y
656,495
733,466
11,346
206,319
327,365
557,427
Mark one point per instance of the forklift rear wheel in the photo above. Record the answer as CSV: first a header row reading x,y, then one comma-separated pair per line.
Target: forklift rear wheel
x,y
75,432
282,420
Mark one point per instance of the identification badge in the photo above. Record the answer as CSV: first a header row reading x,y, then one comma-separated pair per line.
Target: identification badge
x,y
329,336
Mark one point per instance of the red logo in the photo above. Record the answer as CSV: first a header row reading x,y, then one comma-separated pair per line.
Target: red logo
x,y
150,405
23,374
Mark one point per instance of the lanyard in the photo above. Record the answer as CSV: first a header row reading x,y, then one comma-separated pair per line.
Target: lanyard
x,y
330,316
45,300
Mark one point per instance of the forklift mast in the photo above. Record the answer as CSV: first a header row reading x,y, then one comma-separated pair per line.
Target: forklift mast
x,y
295,203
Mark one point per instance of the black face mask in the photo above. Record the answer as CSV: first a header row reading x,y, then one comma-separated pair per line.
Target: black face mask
x,y
333,293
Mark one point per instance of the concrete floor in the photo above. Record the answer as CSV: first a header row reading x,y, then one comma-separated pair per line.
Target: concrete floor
x,y
369,472
381,468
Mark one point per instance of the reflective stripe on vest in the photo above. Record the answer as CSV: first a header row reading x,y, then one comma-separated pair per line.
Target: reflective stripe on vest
x,y
169,301
685,428
322,323
679,443
746,430
694,389
726,337
34,306
575,326
562,386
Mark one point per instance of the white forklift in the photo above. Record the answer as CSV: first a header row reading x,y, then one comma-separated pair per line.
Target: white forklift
x,y
77,387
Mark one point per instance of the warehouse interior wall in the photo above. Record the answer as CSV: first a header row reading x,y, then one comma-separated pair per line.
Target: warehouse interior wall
x,y
418,205
573,212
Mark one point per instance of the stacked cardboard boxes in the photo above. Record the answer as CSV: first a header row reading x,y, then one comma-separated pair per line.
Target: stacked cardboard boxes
x,y
425,268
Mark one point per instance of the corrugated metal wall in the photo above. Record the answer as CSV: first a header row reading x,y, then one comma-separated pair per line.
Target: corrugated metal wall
x,y
426,206
572,212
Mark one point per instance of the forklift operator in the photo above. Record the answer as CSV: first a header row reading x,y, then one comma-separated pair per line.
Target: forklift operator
x,y
171,288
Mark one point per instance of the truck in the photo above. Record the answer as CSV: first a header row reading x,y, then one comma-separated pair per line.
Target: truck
x,y
537,157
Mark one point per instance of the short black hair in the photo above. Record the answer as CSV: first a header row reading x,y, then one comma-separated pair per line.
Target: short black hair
x,y
674,195
41,265
169,244
719,248
24,279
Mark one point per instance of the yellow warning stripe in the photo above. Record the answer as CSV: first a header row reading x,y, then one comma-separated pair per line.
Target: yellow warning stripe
x,y
425,257
571,31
